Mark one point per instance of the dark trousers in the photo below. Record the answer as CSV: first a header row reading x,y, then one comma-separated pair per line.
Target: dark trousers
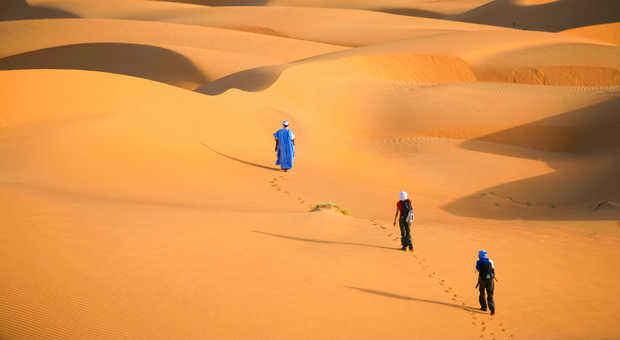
x,y
488,286
405,232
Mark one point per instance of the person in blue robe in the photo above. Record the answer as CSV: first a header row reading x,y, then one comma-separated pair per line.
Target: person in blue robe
x,y
285,147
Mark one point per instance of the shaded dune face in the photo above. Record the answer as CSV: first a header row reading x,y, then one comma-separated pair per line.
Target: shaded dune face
x,y
252,80
580,185
552,16
20,9
136,60
583,148
414,12
590,130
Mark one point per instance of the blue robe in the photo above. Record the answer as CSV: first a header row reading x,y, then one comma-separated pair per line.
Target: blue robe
x,y
286,148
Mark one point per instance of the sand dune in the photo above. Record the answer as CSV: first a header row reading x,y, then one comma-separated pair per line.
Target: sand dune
x,y
527,58
410,68
123,46
141,200
605,32
418,8
550,16
130,59
338,26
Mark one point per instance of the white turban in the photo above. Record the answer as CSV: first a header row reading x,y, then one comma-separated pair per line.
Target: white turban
x,y
403,195
285,123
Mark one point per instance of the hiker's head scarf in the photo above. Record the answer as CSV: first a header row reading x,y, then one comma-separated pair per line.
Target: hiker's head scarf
x,y
403,195
482,254
285,123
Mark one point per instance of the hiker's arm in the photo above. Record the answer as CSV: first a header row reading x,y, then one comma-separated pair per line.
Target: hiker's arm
x,y
276,149
395,216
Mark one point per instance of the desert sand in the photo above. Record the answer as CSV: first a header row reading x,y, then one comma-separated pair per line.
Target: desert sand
x,y
140,199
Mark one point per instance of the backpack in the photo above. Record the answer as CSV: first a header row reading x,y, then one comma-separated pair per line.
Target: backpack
x,y
486,270
407,210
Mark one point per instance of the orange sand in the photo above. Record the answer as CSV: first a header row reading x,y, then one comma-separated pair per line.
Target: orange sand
x,y
140,199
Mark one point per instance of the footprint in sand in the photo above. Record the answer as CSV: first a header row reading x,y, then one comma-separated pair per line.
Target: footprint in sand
x,y
456,299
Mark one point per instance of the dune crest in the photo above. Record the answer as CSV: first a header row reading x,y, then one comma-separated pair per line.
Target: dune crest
x,y
605,32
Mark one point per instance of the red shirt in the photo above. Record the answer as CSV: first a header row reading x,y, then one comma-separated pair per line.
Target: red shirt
x,y
399,205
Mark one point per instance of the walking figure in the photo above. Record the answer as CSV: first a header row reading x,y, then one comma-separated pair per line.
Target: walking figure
x,y
486,276
285,147
405,209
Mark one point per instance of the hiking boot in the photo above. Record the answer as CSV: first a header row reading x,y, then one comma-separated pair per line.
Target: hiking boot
x,y
411,247
484,309
403,248
492,311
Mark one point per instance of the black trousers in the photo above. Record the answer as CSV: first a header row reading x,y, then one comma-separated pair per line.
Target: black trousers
x,y
486,286
405,232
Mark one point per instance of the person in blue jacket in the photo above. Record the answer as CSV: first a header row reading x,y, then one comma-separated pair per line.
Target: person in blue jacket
x,y
486,276
285,147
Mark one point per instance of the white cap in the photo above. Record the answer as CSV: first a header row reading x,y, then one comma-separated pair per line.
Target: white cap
x,y
403,195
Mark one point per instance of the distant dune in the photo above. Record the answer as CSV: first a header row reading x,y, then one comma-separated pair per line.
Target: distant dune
x,y
604,32
550,16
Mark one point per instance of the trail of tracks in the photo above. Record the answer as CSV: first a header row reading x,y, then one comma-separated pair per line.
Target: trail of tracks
x,y
491,327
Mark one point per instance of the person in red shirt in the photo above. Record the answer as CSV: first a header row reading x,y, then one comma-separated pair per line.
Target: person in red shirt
x,y
405,209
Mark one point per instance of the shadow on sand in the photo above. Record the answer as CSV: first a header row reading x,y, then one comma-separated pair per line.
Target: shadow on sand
x,y
577,13
582,146
21,10
408,298
136,60
252,80
240,160
323,241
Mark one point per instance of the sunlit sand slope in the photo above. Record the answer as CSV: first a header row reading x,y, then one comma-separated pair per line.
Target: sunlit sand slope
x,y
605,32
